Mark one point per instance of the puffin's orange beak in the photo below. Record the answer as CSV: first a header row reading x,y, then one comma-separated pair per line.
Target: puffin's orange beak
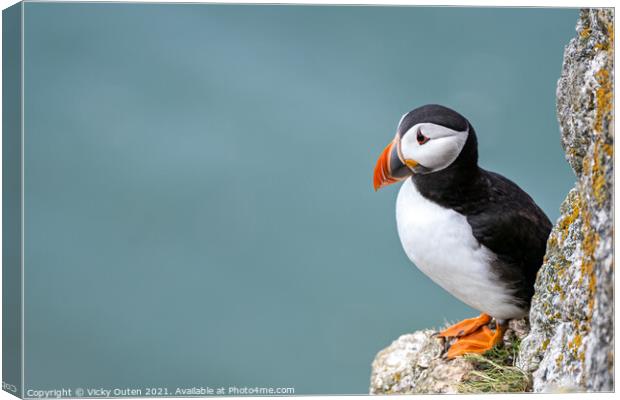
x,y
382,176
390,169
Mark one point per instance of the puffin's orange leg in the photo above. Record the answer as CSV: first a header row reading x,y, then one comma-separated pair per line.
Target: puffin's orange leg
x,y
478,342
466,326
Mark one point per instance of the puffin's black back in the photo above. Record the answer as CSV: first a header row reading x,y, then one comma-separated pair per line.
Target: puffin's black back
x,y
515,229
502,216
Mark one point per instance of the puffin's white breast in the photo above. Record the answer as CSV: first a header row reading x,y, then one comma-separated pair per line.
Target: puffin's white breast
x,y
440,242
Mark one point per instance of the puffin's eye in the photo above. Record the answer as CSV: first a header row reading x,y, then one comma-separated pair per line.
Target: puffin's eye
x,y
421,138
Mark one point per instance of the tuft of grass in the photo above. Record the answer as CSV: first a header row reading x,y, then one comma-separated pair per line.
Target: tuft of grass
x,y
495,371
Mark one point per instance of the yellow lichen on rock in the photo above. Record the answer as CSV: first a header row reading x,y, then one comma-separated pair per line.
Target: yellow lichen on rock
x,y
604,98
589,243
566,222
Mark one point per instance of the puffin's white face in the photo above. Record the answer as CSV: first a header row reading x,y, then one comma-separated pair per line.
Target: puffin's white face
x,y
429,139
432,146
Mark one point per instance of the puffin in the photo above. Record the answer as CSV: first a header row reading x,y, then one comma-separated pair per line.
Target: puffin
x,y
473,232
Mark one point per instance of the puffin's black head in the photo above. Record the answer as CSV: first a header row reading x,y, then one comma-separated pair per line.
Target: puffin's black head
x,y
430,138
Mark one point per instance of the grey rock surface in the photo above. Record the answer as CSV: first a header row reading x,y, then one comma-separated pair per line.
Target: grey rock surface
x,y
416,363
413,363
570,345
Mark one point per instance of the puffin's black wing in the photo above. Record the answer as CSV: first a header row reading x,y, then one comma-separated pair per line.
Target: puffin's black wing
x,y
513,227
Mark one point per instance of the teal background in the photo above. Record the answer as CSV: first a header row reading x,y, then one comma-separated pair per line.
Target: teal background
x,y
199,208
11,200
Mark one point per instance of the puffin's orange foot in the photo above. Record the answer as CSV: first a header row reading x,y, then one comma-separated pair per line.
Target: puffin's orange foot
x,y
466,326
478,342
